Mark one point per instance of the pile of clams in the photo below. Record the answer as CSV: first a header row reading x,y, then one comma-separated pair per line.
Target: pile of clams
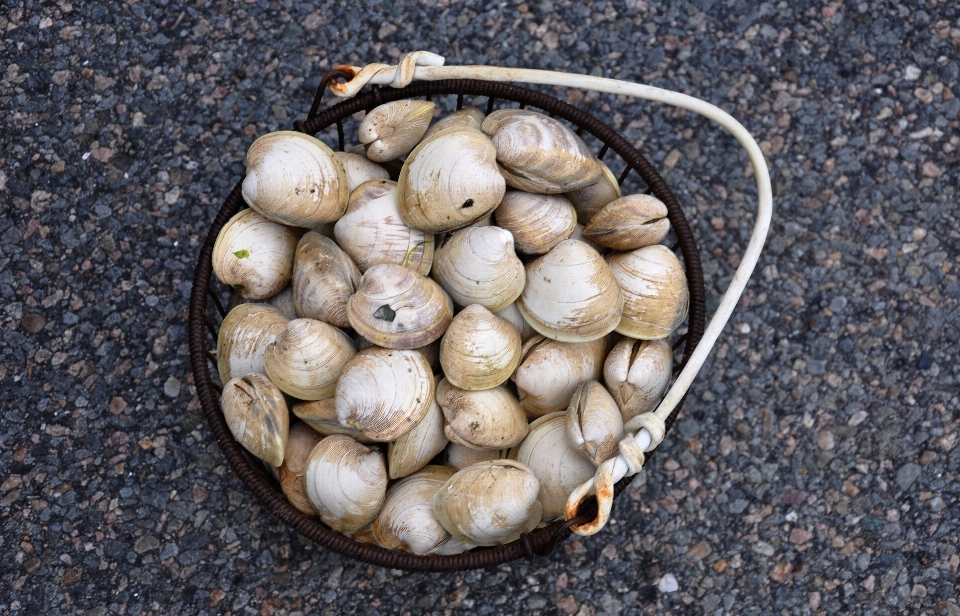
x,y
435,362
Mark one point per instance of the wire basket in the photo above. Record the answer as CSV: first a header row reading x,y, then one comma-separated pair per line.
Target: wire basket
x,y
586,513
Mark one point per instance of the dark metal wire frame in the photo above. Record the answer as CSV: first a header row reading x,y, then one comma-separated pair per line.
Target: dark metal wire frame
x,y
540,542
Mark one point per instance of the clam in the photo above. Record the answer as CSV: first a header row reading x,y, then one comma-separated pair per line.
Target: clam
x,y
579,236
306,359
372,231
638,372
254,255
397,308
557,464
594,423
406,521
479,350
385,393
282,301
256,413
300,442
537,222
488,419
539,154
571,294
346,482
391,130
413,450
591,198
321,416
468,117
359,169
449,181
478,265
629,223
512,313
244,336
654,285
550,372
324,278
292,178
460,457
489,503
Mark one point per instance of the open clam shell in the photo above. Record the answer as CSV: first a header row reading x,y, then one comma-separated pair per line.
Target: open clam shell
x,y
654,285
479,350
478,265
629,223
346,482
245,334
393,129
637,373
256,413
306,359
324,278
537,222
254,255
406,521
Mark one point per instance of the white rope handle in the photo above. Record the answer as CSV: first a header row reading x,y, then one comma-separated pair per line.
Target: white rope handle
x,y
642,432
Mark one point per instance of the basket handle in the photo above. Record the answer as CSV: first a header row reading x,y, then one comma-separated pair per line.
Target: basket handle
x,y
646,431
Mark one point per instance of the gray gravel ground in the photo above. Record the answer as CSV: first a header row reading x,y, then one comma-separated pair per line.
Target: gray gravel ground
x,y
814,468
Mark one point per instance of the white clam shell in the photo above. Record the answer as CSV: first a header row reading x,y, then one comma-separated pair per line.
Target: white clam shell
x,y
256,413
292,178
346,483
637,373
321,416
539,154
488,419
460,457
245,334
324,278
591,198
490,503
412,451
306,359
393,129
629,223
292,473
468,117
479,350
254,255
594,423
397,308
371,231
550,372
537,222
512,313
571,294
359,169
555,461
385,392
654,285
282,301
406,521
449,181
478,265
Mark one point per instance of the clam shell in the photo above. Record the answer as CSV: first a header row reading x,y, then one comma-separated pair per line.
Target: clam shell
x,y
654,285
254,255
306,359
393,129
571,294
292,473
512,313
478,265
372,231
282,301
537,222
591,198
449,181
550,372
460,457
468,117
321,416
256,413
479,350
488,419
397,308
346,483
292,178
629,223
324,278
594,423
359,169
539,154
557,464
412,451
385,392
489,503
406,522
244,336
638,374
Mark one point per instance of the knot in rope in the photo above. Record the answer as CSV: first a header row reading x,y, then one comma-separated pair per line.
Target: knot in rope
x,y
399,76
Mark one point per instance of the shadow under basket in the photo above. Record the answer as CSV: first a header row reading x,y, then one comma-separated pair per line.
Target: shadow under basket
x,y
209,297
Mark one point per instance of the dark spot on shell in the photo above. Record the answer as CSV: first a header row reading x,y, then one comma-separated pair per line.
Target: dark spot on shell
x,y
467,203
385,313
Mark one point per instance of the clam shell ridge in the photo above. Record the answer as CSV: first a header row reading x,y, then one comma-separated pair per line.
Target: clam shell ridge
x,y
478,265
254,255
292,178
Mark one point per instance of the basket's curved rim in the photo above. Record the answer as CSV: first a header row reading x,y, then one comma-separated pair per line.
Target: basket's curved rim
x,y
538,542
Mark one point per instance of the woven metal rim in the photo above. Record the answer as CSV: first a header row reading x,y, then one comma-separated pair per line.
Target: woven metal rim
x,y
540,542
